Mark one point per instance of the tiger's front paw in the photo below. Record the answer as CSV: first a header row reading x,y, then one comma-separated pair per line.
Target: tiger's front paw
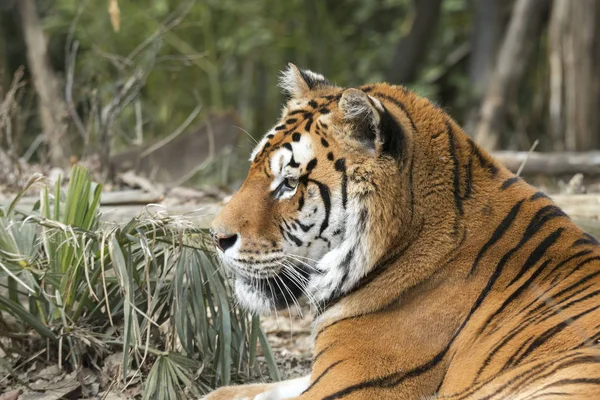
x,y
242,392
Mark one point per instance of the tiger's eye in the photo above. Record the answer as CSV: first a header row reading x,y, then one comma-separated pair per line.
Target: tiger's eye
x,y
291,183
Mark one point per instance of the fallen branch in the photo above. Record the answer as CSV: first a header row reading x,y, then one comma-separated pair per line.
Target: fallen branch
x,y
582,206
128,197
562,163
121,198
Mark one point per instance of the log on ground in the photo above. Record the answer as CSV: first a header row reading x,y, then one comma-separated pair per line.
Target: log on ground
x,y
559,163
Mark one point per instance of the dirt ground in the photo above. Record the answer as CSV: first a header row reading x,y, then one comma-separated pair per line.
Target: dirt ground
x,y
290,339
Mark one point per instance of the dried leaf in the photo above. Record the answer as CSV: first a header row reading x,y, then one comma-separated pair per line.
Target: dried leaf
x,y
115,15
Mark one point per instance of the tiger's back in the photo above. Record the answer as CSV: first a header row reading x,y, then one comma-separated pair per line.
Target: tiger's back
x,y
449,277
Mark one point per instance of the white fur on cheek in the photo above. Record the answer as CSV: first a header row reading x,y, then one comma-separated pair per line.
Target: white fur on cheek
x,y
303,150
345,264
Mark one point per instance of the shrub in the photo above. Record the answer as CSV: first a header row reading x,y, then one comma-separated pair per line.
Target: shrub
x,y
150,289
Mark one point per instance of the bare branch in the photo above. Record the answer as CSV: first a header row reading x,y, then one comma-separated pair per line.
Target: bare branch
x,y
71,108
173,135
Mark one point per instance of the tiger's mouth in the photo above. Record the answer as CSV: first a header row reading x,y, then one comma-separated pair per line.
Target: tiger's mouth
x,y
264,292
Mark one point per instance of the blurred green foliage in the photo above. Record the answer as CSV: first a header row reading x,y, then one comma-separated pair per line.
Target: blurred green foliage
x,y
227,53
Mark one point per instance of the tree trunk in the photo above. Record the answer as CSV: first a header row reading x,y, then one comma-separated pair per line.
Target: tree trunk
x,y
52,109
574,79
521,34
412,48
485,39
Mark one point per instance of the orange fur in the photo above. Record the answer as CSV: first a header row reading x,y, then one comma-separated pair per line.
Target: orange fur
x,y
480,288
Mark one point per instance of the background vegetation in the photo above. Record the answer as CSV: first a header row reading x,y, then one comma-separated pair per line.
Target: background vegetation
x,y
130,72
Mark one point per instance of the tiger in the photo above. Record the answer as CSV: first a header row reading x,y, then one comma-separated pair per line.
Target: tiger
x,y
433,271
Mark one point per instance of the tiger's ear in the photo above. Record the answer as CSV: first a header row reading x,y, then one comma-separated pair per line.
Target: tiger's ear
x,y
370,123
297,82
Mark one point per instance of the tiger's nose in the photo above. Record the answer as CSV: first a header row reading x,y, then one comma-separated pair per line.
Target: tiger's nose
x,y
224,241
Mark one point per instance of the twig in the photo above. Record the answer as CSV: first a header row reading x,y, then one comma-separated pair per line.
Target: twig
x,y
8,107
139,123
163,28
71,57
533,146
11,373
71,47
173,135
205,163
123,96
33,147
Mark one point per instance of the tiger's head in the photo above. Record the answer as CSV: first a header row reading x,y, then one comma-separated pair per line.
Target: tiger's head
x,y
309,218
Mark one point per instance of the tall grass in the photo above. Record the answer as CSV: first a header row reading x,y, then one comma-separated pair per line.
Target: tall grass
x,y
150,289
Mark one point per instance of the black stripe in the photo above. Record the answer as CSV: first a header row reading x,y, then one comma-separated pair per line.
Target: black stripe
x,y
400,105
345,265
324,190
512,359
308,124
539,195
293,163
537,254
587,239
483,161
305,228
468,179
301,202
581,264
556,267
552,367
322,375
498,234
321,352
340,166
509,182
393,135
297,241
456,167
536,223
514,295
540,340
551,394
524,379
322,330
569,288
568,259
386,381
437,135
577,381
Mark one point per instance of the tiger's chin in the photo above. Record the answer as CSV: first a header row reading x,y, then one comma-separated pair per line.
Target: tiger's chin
x,y
265,295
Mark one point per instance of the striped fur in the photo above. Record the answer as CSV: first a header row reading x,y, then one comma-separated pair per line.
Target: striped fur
x,y
448,277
